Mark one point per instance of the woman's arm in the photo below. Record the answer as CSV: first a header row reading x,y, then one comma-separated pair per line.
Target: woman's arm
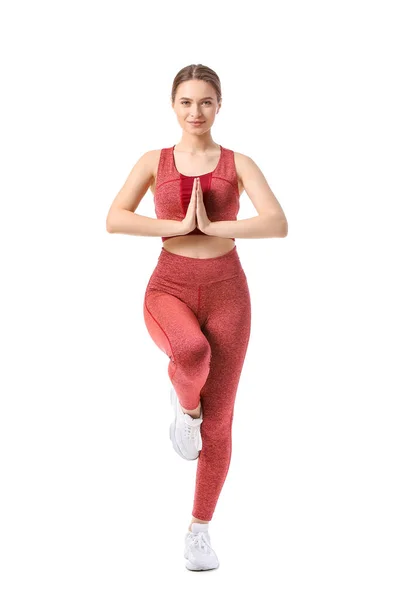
x,y
270,221
125,221
121,217
261,226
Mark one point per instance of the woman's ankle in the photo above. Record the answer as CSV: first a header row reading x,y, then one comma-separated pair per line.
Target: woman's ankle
x,y
195,414
194,520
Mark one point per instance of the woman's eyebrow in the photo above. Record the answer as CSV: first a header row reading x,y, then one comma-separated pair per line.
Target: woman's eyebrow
x,y
206,98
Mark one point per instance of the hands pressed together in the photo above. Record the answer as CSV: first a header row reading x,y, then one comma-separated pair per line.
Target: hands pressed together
x,y
196,215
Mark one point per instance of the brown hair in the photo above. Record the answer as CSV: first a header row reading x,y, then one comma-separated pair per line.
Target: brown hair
x,y
197,72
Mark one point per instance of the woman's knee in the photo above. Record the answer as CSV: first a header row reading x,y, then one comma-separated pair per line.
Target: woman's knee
x,y
194,355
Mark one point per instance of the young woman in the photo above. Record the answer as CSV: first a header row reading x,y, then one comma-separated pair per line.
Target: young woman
x,y
197,303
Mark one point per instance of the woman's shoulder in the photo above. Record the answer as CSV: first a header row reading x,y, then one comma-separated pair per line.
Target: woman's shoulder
x,y
239,156
152,158
156,160
241,160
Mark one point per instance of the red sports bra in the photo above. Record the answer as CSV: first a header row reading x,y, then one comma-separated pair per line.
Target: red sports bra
x,y
173,190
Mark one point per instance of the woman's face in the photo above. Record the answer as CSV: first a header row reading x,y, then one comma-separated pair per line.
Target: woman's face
x,y
195,100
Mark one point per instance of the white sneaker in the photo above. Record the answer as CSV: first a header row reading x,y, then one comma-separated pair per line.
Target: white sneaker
x,y
184,431
198,552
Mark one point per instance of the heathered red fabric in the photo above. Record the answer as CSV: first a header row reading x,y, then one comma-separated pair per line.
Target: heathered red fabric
x,y
198,312
173,190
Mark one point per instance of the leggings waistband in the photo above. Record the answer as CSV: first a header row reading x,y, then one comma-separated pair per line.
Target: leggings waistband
x,y
197,271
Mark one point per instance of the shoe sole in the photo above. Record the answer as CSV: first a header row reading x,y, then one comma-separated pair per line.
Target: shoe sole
x,y
189,565
172,431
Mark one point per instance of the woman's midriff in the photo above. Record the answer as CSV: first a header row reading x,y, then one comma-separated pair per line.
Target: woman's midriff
x,y
199,246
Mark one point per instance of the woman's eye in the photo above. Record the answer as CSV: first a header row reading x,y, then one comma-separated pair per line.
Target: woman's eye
x,y
184,101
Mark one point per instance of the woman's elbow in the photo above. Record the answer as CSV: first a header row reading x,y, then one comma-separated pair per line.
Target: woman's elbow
x,y
109,223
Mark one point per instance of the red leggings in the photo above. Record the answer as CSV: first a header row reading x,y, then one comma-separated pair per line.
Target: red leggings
x,y
198,311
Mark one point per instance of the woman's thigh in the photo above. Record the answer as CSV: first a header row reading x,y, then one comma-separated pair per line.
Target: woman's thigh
x,y
227,305
227,330
174,327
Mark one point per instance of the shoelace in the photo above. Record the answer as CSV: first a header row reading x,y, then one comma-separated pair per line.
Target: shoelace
x,y
199,539
191,431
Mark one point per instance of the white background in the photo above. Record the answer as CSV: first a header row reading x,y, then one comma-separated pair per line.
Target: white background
x,y
94,501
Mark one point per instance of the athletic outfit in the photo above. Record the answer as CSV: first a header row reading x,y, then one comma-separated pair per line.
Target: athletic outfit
x,y
198,312
173,190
